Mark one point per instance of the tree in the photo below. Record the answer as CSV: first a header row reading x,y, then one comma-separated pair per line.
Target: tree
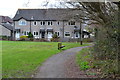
x,y
105,15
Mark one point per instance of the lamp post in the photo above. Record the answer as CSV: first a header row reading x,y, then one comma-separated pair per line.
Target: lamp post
x,y
80,30
80,33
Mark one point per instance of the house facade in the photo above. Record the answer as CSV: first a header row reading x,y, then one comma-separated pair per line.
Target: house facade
x,y
43,23
6,27
6,30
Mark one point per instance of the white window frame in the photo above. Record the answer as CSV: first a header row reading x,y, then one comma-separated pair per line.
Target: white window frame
x,y
41,23
51,23
21,23
35,33
26,32
67,33
34,23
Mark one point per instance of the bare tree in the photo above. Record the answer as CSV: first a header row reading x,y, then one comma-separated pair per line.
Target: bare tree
x,y
101,12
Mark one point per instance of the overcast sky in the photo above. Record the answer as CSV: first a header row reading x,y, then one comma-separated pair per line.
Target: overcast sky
x,y
9,7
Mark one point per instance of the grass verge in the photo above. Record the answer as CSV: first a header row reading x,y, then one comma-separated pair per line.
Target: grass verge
x,y
85,61
102,68
82,59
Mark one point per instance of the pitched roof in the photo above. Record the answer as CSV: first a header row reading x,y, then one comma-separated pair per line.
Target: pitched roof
x,y
6,19
8,26
45,14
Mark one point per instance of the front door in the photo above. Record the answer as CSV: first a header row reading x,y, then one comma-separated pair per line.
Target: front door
x,y
49,34
43,35
17,35
76,34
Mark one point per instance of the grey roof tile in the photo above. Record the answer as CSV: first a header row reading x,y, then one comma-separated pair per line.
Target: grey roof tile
x,y
8,26
45,14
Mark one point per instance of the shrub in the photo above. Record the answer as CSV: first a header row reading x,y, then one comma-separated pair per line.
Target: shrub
x,y
106,49
55,38
3,38
30,36
23,38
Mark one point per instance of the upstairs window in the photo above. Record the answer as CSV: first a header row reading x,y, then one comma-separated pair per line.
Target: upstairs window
x,y
22,22
71,23
49,22
58,23
42,23
35,23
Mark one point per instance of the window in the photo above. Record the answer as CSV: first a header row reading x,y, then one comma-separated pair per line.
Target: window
x,y
76,34
42,22
35,33
57,33
22,22
26,33
71,23
58,23
67,34
35,23
49,22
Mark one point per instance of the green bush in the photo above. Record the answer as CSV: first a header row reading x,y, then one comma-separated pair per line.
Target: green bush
x,y
3,38
54,38
106,50
30,36
23,38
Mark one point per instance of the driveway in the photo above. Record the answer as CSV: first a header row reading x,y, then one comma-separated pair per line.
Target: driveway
x,y
57,65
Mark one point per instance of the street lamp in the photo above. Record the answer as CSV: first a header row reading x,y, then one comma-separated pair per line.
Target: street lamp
x,y
80,31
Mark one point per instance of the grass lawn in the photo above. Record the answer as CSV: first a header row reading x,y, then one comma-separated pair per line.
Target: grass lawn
x,y
20,59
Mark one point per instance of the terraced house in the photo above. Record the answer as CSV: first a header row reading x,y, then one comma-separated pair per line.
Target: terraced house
x,y
43,23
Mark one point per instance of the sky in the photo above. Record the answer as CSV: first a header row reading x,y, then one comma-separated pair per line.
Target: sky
x,y
9,7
